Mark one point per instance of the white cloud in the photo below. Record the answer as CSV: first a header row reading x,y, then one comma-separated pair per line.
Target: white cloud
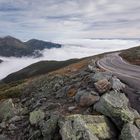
x,y
51,19
76,48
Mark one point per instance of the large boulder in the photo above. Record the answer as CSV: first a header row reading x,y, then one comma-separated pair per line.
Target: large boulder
x,y
115,105
36,116
7,110
102,86
85,98
130,132
87,127
117,84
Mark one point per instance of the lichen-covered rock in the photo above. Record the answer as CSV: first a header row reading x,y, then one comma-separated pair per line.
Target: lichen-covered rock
x,y
101,75
85,98
115,105
130,132
7,110
86,127
102,86
36,116
116,84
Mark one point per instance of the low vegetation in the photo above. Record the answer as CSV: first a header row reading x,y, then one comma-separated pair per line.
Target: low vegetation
x,y
38,68
132,55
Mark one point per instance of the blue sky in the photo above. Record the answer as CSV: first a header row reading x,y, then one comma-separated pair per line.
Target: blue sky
x,y
67,19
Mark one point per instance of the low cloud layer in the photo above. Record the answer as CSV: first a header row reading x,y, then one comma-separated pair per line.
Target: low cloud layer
x,y
71,49
53,19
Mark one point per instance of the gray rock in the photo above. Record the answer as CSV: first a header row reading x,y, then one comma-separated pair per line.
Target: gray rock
x,y
102,86
36,116
88,100
116,84
49,127
130,132
101,75
15,119
86,127
12,127
3,125
85,98
7,110
115,105
35,135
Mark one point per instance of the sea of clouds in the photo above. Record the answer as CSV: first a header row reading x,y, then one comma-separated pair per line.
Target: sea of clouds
x,y
77,48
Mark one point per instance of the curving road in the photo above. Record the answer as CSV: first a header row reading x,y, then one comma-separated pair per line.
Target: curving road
x,y
128,73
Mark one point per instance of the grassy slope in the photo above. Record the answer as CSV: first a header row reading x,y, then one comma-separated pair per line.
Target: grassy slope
x,y
38,68
132,55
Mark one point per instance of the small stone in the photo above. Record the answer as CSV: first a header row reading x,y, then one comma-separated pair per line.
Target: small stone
x,y
36,116
71,92
3,125
71,108
15,119
102,86
12,127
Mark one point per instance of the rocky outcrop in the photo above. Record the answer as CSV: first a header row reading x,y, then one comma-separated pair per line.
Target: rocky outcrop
x,y
87,127
115,105
130,132
84,105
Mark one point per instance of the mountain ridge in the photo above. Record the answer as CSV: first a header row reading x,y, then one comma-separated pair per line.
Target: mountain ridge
x,y
10,46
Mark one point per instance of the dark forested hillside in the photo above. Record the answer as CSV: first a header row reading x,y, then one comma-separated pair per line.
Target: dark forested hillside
x,y
10,46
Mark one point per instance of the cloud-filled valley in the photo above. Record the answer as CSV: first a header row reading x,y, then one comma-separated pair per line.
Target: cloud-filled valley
x,y
70,49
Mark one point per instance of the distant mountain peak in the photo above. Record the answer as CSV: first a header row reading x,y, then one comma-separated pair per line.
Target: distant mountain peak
x,y
11,46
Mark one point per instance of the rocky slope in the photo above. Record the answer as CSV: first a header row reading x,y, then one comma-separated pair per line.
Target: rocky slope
x,y
10,46
78,102
132,55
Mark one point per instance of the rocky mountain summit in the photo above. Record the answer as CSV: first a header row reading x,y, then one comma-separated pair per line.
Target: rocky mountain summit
x,y
78,102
